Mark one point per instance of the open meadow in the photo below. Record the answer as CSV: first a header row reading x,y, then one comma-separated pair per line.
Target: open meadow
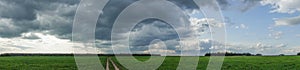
x,y
170,63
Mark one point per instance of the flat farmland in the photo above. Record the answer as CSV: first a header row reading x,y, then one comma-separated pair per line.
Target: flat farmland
x,y
238,63
170,62
40,63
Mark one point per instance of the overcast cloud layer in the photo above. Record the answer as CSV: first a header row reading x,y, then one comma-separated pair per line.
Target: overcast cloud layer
x,y
46,26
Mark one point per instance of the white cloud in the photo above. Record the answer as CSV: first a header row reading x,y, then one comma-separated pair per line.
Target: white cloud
x,y
268,48
283,6
159,48
198,26
189,44
287,21
45,44
241,26
298,35
244,26
293,50
30,35
280,45
276,34
202,21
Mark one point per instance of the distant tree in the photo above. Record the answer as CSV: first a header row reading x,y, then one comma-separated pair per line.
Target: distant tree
x,y
207,54
281,55
258,55
298,53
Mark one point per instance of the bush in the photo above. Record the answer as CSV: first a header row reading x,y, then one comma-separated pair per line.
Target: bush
x,y
298,53
281,55
258,55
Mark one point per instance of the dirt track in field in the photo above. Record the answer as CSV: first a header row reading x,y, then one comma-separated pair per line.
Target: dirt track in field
x,y
108,61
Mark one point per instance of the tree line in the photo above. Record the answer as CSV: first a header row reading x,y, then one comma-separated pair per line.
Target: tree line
x,y
237,54
231,54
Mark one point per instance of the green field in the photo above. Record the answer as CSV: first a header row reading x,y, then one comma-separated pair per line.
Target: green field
x,y
40,63
170,63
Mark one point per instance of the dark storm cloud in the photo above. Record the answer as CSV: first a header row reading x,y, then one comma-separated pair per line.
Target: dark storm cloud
x,y
55,17
110,13
145,30
23,16
115,7
149,30
13,28
26,9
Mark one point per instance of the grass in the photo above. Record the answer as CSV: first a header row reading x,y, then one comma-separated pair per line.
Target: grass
x,y
40,63
170,63
238,63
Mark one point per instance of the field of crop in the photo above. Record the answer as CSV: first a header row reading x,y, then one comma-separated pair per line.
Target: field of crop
x,y
170,63
39,63
240,63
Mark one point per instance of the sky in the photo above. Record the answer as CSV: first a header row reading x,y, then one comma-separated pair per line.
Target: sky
x,y
268,27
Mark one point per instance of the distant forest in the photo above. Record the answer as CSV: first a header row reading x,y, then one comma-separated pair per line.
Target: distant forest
x,y
237,54
231,54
